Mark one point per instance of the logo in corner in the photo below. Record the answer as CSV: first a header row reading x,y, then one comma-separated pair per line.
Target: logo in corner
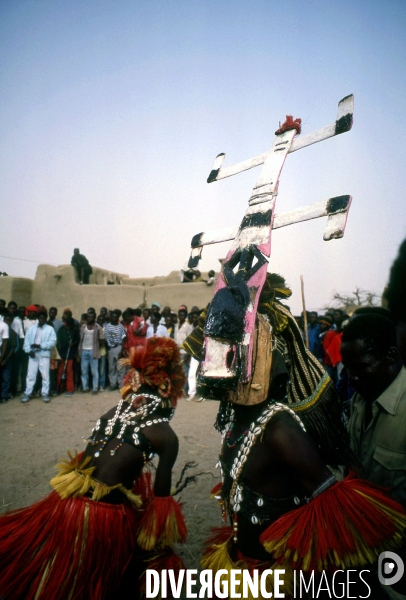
x,y
390,568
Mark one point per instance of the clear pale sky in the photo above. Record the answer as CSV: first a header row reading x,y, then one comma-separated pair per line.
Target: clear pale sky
x,y
112,112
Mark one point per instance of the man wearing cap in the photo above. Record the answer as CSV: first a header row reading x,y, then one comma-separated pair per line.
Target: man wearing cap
x,y
31,317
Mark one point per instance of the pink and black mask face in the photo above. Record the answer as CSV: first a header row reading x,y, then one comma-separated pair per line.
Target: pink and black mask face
x,y
227,349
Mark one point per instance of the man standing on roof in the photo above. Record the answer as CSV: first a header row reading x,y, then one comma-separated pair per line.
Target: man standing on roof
x,y
82,266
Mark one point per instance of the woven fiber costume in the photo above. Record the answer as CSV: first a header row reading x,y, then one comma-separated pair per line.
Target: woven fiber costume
x,y
79,541
286,508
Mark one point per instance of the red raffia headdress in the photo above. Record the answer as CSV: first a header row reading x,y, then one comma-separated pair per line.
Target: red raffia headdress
x,y
158,365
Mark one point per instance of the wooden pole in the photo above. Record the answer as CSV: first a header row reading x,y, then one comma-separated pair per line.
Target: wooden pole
x,y
304,312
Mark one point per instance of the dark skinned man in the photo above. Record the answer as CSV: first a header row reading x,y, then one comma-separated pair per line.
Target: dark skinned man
x,y
377,424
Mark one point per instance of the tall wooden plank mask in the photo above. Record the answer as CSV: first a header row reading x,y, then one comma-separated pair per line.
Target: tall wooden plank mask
x,y
231,319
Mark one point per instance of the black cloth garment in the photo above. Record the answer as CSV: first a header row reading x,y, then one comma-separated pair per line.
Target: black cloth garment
x,y
79,261
65,337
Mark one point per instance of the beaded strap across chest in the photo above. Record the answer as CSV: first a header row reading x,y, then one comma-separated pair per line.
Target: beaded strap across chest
x,y
238,497
127,424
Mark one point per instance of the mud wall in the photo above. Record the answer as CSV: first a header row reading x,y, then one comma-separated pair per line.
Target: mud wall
x,y
58,286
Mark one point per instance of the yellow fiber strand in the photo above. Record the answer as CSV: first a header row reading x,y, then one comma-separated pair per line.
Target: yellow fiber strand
x,y
149,537
162,524
217,557
75,480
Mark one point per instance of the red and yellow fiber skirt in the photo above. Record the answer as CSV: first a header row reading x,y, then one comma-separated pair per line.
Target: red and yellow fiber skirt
x,y
73,546
60,549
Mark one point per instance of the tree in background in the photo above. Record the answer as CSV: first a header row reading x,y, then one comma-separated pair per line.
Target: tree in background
x,y
356,299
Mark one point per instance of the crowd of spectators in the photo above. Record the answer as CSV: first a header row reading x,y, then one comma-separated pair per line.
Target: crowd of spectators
x,y
41,355
323,338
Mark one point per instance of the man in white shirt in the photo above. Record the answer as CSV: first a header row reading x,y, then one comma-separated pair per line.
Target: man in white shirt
x,y
16,324
39,341
156,329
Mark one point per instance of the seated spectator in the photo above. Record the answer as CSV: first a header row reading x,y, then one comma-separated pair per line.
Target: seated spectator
x,y
212,277
68,338
82,266
156,329
115,337
191,276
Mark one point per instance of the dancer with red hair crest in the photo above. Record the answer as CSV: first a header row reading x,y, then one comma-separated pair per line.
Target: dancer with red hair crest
x,y
104,523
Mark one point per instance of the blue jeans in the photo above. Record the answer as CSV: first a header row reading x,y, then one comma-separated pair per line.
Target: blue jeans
x,y
87,361
102,371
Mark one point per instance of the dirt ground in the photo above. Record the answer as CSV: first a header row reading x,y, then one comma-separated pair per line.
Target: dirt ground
x,y
35,436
